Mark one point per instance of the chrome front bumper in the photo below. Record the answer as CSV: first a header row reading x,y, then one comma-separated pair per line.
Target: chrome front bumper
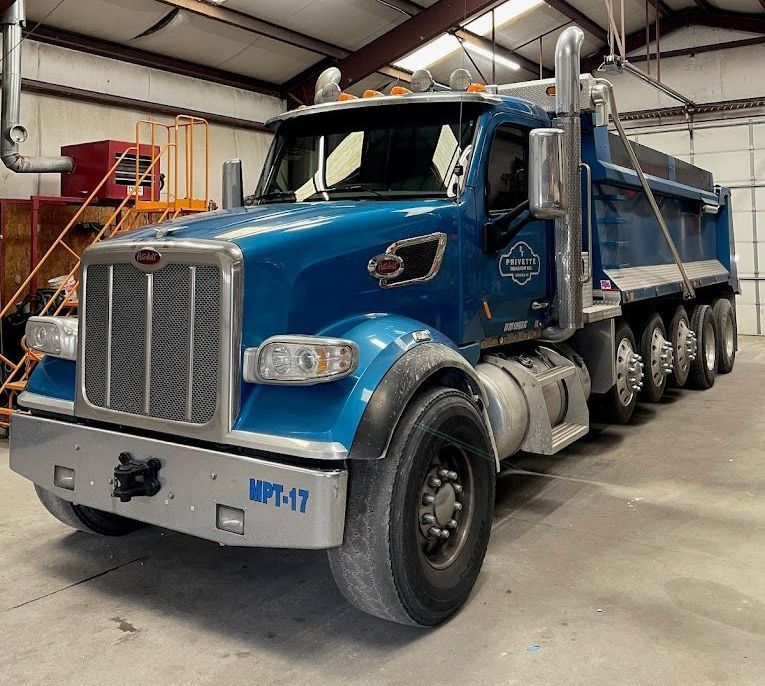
x,y
194,483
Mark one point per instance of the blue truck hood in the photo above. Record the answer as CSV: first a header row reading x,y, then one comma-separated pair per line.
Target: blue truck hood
x,y
306,264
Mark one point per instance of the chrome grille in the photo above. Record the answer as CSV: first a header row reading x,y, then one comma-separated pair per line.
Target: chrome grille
x,y
153,340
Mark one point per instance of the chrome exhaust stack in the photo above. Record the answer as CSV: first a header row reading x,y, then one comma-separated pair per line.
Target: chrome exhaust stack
x,y
233,187
568,227
12,132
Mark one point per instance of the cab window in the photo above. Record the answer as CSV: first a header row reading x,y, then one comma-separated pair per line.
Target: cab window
x,y
507,177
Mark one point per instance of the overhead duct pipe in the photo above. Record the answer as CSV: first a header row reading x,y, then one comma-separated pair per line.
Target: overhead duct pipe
x,y
12,132
568,228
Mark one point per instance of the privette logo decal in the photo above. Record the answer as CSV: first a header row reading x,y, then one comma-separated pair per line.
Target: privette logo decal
x,y
520,263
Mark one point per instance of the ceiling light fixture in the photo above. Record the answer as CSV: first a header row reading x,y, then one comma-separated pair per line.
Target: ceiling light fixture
x,y
503,14
443,46
430,53
484,52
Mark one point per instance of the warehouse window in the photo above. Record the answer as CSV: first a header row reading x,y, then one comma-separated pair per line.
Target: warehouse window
x,y
507,176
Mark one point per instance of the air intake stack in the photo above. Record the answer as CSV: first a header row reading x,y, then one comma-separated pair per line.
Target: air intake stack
x,y
568,228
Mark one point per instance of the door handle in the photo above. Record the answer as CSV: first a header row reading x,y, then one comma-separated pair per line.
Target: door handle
x,y
540,304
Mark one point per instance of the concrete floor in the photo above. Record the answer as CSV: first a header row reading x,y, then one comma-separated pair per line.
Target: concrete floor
x,y
634,557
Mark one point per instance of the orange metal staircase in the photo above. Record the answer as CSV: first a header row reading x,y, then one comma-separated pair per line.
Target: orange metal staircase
x,y
175,153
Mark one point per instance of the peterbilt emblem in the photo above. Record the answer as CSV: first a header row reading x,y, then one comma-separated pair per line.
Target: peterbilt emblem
x,y
147,257
387,266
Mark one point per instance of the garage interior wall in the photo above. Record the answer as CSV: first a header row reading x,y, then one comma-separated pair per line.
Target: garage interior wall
x,y
730,144
54,121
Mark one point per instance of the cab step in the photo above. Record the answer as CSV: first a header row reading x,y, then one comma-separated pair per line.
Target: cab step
x,y
541,437
554,375
566,433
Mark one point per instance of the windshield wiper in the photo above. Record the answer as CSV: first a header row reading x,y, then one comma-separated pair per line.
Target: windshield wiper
x,y
276,196
350,187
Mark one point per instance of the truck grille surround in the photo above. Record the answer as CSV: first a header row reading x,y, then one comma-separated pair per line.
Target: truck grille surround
x,y
160,344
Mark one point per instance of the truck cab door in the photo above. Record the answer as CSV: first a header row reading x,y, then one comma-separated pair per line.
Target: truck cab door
x,y
514,262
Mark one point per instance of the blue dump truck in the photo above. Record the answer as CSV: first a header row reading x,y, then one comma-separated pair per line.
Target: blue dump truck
x,y
422,285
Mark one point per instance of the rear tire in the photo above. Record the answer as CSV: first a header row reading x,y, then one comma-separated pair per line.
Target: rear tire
x,y
391,563
86,518
618,404
704,367
727,334
679,331
651,341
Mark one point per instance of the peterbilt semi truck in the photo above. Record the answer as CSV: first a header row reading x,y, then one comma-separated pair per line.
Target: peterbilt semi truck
x,y
422,285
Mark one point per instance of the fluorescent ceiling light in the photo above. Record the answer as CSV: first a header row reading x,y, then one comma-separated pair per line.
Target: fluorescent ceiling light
x,y
503,14
430,53
483,52
443,46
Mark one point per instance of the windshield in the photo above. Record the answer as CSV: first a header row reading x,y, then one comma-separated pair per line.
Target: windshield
x,y
383,152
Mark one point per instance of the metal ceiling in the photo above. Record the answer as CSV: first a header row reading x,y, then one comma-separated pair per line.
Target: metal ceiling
x,y
279,45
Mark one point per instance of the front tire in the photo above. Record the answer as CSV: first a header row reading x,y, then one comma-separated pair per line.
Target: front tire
x,y
86,518
418,520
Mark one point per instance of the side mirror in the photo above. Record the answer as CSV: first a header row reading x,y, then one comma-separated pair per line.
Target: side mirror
x,y
233,187
546,173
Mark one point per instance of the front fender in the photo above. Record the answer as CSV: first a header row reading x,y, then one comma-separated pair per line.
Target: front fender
x,y
428,363
332,412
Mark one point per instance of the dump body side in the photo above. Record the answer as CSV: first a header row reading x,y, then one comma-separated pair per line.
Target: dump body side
x,y
631,258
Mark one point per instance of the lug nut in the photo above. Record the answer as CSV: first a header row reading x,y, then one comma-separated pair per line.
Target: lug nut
x,y
443,473
457,488
458,507
444,534
452,476
428,518
428,499
451,524
434,482
434,532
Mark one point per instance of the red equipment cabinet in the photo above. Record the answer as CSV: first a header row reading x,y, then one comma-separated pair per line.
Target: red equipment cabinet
x,y
93,160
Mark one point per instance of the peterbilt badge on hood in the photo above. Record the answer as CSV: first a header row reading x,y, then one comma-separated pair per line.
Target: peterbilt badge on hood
x,y
387,266
148,257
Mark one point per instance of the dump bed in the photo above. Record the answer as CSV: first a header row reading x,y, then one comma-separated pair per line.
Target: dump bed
x,y
631,258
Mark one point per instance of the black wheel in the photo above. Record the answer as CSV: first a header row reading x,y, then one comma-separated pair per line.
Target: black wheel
x,y
86,518
704,367
617,405
683,342
727,333
418,520
656,352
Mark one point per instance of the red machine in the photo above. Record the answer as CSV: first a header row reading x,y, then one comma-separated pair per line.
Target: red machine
x,y
93,160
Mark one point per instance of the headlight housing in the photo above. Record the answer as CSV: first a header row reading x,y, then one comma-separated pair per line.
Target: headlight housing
x,y
56,336
300,360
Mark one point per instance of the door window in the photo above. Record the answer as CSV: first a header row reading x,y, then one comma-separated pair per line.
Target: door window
x,y
507,176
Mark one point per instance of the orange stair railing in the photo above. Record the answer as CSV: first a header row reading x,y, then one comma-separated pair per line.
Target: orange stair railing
x,y
127,216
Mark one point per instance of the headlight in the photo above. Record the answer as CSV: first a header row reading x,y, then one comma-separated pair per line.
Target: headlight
x,y
55,336
300,360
